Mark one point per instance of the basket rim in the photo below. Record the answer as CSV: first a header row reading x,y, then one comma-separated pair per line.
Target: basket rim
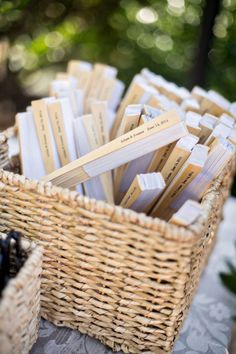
x,y
171,232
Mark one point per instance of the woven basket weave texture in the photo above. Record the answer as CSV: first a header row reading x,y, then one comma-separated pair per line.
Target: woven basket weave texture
x,y
122,277
20,305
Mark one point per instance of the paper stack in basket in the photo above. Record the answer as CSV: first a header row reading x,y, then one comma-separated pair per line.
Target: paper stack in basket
x,y
152,151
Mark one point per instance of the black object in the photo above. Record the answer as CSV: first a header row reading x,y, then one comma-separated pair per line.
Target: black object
x,y
199,71
12,257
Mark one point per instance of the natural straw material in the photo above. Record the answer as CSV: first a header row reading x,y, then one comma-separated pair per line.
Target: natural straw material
x,y
122,277
20,305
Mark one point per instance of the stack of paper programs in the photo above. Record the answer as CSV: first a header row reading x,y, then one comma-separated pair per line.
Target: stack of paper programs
x,y
156,149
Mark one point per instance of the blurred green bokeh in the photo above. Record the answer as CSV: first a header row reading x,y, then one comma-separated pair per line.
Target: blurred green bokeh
x,y
128,34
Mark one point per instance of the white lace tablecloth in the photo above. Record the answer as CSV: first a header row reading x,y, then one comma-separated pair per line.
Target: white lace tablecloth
x,y
207,328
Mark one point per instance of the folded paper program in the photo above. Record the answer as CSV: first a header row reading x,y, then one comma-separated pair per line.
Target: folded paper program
x,y
161,140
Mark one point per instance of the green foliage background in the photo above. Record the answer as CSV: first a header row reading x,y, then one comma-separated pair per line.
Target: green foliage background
x,y
47,33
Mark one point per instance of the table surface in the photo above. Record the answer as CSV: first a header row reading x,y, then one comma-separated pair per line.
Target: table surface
x,y
207,329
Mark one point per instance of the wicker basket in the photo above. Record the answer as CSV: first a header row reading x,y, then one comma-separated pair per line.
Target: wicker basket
x,y
20,305
122,277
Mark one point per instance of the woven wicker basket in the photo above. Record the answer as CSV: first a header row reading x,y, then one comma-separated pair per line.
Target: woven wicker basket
x,y
20,305
122,277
